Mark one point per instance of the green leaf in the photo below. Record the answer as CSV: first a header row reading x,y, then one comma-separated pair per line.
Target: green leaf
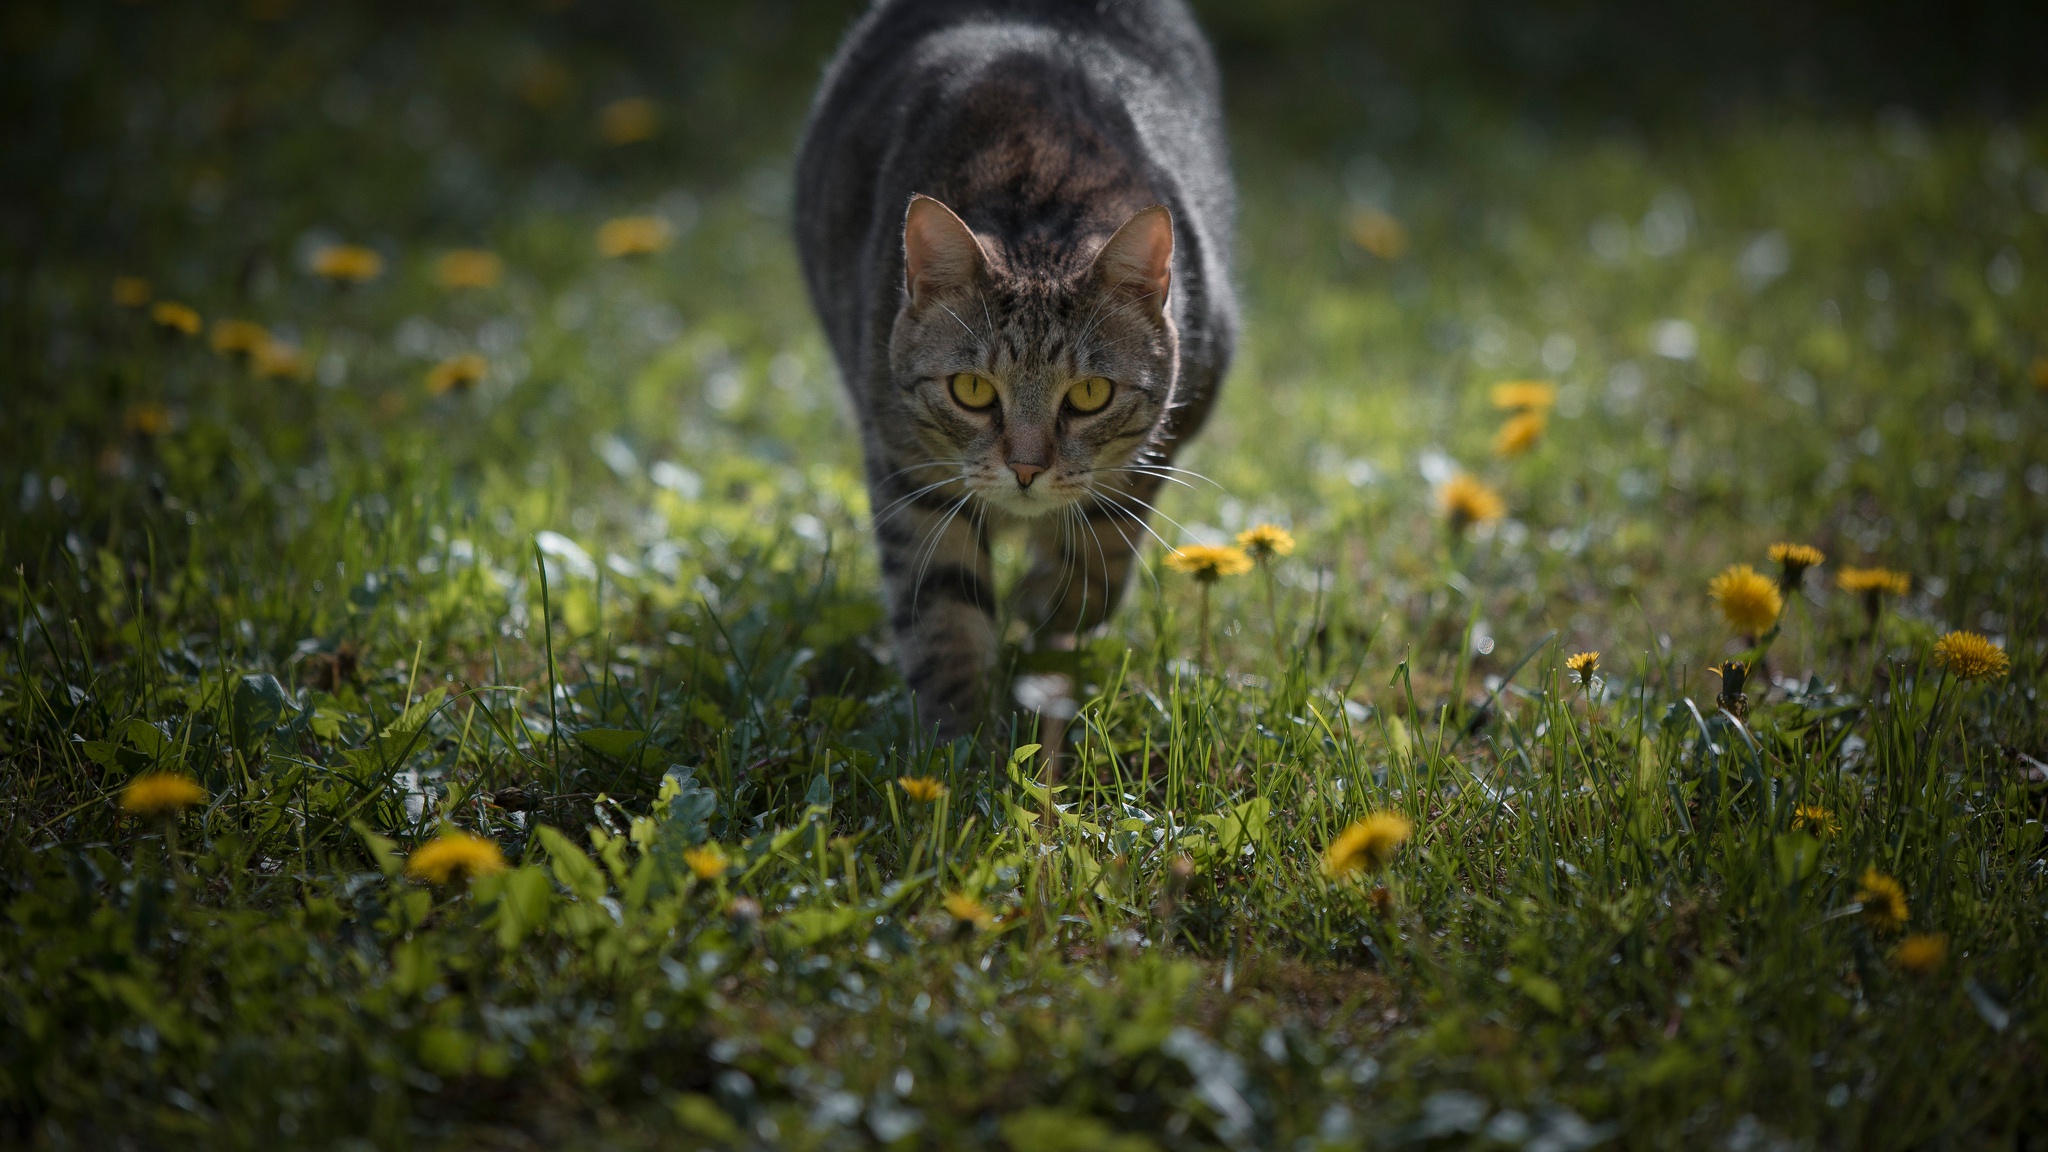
x,y
382,849
1796,854
1542,989
576,871
685,808
626,745
259,705
146,737
522,897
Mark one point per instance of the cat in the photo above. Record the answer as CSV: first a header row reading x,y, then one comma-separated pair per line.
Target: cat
x,y
1014,219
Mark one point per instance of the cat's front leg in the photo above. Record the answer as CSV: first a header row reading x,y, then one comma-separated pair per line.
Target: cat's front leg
x,y
935,575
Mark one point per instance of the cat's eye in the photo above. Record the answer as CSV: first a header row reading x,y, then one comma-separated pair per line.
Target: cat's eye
x,y
1090,394
973,391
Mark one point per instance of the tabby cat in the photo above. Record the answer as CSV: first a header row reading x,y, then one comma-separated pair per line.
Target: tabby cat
x,y
1014,218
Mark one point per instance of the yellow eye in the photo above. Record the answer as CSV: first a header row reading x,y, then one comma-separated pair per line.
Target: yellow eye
x,y
1090,394
973,391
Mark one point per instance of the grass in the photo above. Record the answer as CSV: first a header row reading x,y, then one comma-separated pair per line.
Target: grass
x,y
613,602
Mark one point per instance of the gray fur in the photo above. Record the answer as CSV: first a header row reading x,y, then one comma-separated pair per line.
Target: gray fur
x,y
1044,126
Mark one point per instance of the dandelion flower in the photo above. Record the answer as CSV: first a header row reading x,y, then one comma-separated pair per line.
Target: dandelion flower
x,y
1210,562
1873,581
277,360
628,121
706,861
1815,819
1368,845
634,236
1922,953
1266,541
1465,500
172,316
1583,666
457,374
455,858
161,794
1969,656
966,910
1883,900
1377,232
237,337
1749,601
923,789
1733,674
1524,395
469,268
149,419
1520,434
2039,371
130,291
348,263
1793,560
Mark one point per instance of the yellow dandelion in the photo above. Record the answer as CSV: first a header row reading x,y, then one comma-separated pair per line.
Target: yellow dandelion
x,y
628,121
1367,845
454,858
1969,656
469,268
1793,560
1520,434
1922,953
634,236
1883,900
1815,819
1210,562
237,337
161,794
1377,232
1465,501
348,263
1583,666
706,861
130,291
1748,601
150,419
1873,581
966,910
457,374
172,316
1266,541
277,360
2039,371
923,789
1524,395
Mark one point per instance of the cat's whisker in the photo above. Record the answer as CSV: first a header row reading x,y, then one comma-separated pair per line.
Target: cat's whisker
x,y
897,504
1148,506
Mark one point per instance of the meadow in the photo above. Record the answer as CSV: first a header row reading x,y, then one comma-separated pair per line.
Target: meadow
x,y
445,700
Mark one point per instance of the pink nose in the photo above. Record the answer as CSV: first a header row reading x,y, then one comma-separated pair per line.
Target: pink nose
x,y
1026,473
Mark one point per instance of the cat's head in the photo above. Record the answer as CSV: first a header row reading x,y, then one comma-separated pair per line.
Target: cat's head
x,y
1036,387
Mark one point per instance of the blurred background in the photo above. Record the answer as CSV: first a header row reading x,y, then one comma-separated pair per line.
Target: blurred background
x,y
441,116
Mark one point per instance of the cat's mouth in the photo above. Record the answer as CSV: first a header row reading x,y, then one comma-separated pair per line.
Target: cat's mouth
x,y
1042,497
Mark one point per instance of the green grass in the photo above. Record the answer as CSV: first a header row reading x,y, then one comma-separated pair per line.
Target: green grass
x,y
327,599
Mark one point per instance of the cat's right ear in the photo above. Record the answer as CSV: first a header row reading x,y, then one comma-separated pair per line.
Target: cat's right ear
x,y
940,252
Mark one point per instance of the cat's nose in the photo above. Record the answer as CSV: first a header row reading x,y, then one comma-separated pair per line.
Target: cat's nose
x,y
1026,473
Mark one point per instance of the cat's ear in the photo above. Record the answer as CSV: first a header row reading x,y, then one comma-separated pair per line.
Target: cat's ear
x,y
940,253
1139,258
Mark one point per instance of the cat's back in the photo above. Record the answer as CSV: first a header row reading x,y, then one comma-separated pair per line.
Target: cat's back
x,y
1025,116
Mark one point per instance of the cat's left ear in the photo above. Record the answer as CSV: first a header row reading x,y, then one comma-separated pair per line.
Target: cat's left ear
x,y
1139,258
940,252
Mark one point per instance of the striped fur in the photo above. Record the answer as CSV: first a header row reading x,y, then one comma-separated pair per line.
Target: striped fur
x,y
1034,192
